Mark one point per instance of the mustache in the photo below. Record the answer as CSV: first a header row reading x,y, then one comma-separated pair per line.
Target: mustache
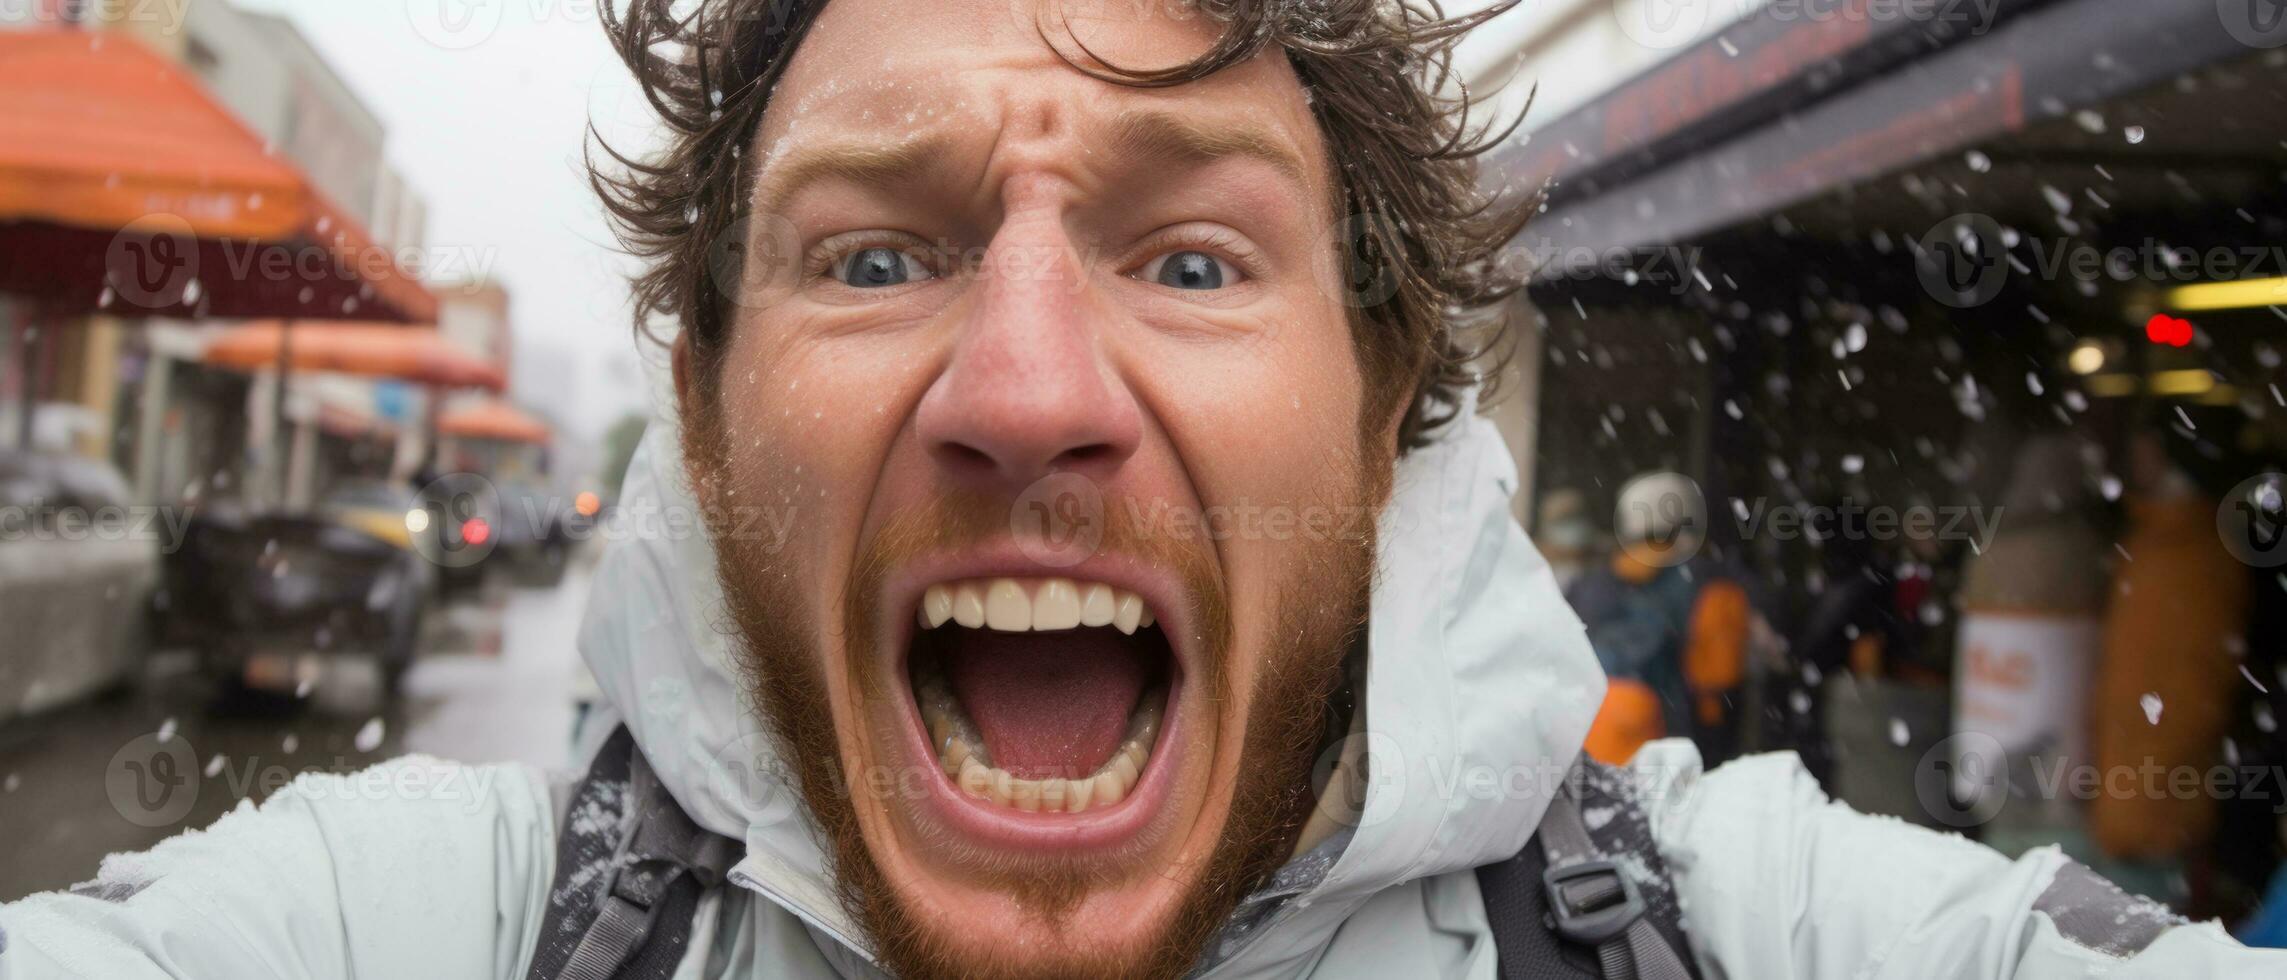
x,y
965,520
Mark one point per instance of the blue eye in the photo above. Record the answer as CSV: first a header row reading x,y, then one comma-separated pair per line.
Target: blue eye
x,y
879,266
1190,270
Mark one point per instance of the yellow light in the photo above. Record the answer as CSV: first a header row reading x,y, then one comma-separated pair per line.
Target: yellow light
x,y
2088,358
2229,295
587,503
416,520
2190,381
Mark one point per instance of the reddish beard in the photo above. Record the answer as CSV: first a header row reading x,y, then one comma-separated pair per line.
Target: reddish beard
x,y
1320,606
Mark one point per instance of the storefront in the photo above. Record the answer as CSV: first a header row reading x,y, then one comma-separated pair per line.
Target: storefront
x,y
1835,264
128,196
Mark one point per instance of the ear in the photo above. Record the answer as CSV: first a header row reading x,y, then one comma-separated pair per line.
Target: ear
x,y
1386,432
686,395
1396,420
690,406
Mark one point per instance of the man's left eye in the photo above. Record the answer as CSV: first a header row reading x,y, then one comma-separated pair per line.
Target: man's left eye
x,y
1188,269
879,266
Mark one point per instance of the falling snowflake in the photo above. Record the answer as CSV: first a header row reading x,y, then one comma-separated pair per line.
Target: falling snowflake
x,y
369,737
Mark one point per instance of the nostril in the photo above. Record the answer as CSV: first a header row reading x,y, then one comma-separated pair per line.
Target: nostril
x,y
1083,455
965,457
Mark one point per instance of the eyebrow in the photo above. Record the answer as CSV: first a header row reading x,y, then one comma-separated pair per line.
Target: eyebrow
x,y
866,163
1156,135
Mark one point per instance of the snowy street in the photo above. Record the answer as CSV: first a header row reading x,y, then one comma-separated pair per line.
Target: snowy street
x,y
496,682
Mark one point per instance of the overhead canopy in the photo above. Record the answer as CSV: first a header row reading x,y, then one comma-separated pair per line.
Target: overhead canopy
x,y
365,349
493,419
125,188
1780,108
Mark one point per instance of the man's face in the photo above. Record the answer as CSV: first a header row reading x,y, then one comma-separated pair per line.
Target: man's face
x,y
1056,383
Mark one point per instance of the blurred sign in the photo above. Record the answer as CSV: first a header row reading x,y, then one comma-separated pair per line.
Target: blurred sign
x,y
2024,680
392,401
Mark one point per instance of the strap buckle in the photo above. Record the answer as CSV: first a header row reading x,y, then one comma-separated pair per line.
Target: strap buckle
x,y
1592,901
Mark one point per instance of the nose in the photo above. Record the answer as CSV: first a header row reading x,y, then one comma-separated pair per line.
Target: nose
x,y
1029,389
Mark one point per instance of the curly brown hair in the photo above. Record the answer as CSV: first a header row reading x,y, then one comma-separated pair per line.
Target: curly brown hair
x,y
1427,294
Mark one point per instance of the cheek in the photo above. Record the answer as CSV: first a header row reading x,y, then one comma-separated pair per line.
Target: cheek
x,y
806,427
1265,419
1268,436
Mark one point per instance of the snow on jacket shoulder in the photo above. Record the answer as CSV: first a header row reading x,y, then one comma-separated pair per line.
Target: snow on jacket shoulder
x,y
412,868
421,868
1776,882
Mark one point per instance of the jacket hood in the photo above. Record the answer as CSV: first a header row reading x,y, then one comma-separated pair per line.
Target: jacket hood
x,y
1479,688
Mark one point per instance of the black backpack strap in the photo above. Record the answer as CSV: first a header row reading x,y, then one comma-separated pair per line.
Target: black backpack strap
x,y
630,867
1562,909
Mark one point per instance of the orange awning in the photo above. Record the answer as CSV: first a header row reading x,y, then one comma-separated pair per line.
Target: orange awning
x,y
493,419
100,134
364,349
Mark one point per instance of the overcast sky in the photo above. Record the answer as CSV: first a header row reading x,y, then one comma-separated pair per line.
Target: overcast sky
x,y
485,121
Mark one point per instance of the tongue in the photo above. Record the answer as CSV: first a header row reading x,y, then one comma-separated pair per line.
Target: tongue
x,y
1047,704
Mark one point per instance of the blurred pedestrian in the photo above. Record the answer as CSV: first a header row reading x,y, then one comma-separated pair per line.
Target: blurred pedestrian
x,y
1565,535
1669,630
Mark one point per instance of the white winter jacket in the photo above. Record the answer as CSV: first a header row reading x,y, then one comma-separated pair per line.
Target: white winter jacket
x,y
1479,678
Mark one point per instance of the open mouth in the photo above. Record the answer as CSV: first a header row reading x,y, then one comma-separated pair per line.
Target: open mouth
x,y
1041,695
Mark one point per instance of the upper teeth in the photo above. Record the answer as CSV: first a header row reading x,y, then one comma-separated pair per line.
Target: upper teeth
x,y
1018,605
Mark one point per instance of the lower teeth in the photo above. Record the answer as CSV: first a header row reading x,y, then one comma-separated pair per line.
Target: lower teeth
x,y
963,755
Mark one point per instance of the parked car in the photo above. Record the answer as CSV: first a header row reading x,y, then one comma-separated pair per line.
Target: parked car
x,y
72,558
517,527
536,536
273,601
